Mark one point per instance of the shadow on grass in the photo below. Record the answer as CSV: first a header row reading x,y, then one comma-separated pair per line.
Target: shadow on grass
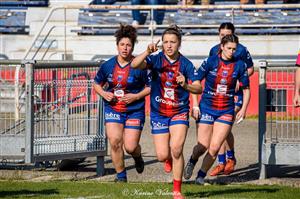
x,y
251,173
28,193
240,175
112,171
229,191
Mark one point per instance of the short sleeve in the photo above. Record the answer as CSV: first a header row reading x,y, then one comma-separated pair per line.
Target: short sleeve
x,y
192,73
100,77
203,70
146,76
243,76
246,57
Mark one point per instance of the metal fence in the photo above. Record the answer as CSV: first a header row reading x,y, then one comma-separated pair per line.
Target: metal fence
x,y
12,111
279,120
62,117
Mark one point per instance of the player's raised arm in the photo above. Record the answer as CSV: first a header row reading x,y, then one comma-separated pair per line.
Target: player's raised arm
x,y
140,60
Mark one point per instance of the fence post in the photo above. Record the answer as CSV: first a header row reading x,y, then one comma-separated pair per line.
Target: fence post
x,y
262,116
29,109
100,170
151,24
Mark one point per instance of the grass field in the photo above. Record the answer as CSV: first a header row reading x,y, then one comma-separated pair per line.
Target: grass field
x,y
94,189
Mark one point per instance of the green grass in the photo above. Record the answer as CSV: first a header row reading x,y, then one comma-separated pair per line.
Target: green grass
x,y
95,189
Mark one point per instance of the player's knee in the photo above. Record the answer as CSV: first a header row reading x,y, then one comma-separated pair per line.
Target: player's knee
x,y
116,145
176,151
202,145
213,150
162,156
130,148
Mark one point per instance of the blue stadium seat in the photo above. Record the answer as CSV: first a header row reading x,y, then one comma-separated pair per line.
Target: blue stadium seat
x,y
90,20
24,3
13,22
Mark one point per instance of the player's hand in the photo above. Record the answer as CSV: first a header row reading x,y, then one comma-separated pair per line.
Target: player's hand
x,y
108,96
129,98
196,112
180,79
153,47
296,100
240,115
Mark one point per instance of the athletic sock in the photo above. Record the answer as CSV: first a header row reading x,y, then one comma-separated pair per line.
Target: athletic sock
x,y
122,174
194,162
230,154
222,158
137,158
201,174
177,185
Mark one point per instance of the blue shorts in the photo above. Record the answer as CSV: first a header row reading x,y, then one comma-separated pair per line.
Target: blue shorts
x,y
131,120
212,116
238,98
160,124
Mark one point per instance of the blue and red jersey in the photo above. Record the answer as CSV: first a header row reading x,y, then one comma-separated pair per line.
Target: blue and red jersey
x,y
122,80
167,97
241,53
220,81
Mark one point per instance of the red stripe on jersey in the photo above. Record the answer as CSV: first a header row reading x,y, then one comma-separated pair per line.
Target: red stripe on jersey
x,y
169,87
120,76
223,82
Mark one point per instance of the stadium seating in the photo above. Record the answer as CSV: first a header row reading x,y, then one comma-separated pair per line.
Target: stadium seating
x,y
247,22
13,15
13,22
24,3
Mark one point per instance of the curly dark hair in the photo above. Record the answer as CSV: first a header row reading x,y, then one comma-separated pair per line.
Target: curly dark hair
x,y
126,31
173,29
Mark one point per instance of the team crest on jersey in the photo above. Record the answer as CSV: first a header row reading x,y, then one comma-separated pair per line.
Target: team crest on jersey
x,y
225,73
169,93
119,78
168,84
223,81
170,75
